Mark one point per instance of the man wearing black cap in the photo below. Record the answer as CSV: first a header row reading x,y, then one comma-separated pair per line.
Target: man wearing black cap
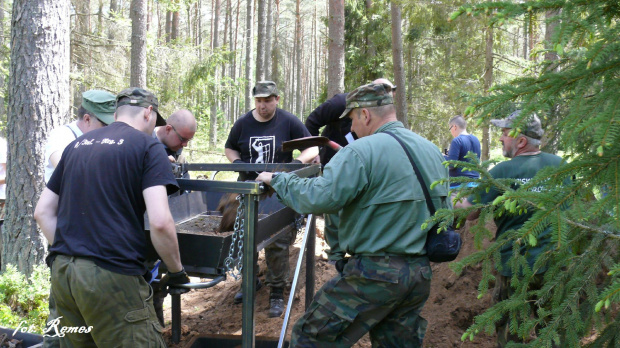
x,y
92,214
257,137
526,160
96,111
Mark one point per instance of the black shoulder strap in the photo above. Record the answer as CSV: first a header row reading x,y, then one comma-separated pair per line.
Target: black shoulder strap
x,y
427,195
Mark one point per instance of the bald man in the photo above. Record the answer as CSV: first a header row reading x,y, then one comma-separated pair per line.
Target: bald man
x,y
176,134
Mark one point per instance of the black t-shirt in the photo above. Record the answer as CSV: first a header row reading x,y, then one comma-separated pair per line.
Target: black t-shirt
x,y
261,142
99,181
328,115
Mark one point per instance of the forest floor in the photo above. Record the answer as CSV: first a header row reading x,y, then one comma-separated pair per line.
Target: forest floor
x,y
450,309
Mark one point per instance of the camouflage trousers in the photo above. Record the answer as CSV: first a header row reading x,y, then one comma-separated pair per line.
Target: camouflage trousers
x,y
276,256
381,295
100,308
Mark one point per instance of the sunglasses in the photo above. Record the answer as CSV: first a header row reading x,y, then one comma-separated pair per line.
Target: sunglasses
x,y
183,140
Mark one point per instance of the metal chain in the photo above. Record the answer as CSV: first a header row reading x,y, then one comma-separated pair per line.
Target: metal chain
x,y
237,239
240,229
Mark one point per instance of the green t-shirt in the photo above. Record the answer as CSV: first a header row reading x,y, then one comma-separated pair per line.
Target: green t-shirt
x,y
522,168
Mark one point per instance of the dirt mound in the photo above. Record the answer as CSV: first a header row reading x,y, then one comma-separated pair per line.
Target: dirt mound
x,y
449,310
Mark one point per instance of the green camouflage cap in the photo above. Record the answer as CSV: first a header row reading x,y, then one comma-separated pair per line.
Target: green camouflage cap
x,y
533,126
367,96
100,104
140,97
264,89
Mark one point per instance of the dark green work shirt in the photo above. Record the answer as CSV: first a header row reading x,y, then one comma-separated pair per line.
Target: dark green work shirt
x,y
522,168
373,186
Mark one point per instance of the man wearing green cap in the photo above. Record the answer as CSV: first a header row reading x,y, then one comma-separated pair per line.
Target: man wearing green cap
x,y
386,280
92,214
257,137
526,160
96,111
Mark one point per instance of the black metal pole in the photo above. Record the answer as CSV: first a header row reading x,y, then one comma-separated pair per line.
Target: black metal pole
x,y
250,257
176,317
310,261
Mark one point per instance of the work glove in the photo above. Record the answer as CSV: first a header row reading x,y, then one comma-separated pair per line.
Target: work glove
x,y
172,279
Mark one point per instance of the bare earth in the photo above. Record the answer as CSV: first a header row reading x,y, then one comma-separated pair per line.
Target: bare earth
x,y
450,309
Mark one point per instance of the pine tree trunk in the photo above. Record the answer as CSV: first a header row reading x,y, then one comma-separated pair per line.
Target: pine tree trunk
x,y
269,40
400,100
138,43
2,82
298,59
248,55
275,51
260,40
335,65
174,29
488,81
213,108
168,26
38,100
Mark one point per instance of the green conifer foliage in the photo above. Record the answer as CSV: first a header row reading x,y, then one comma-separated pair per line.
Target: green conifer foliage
x,y
577,98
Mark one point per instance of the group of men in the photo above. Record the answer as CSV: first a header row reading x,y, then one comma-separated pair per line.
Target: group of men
x,y
368,190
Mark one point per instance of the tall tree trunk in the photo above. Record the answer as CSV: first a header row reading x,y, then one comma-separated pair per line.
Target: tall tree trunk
x,y
298,59
260,40
275,51
550,29
40,52
138,43
269,40
100,18
488,81
168,26
174,29
525,32
400,100
335,65
213,108
248,55
2,82
79,50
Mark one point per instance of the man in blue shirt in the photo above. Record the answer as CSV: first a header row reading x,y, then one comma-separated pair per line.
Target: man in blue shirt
x,y
462,143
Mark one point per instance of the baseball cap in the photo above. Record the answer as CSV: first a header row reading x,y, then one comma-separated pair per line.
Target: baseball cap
x,y
533,129
367,96
264,89
140,97
100,104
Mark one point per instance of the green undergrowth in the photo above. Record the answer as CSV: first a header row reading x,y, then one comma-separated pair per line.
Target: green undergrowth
x,y
24,301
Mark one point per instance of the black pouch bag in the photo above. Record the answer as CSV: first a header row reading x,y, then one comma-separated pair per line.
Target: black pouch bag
x,y
440,247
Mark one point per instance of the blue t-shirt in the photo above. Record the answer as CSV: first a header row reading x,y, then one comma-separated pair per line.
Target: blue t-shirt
x,y
459,148
99,181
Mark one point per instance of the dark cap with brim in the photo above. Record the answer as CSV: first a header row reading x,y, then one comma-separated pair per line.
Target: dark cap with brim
x,y
368,96
140,97
101,104
533,127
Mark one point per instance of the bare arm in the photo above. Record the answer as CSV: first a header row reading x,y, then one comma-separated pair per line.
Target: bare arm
x,y
55,158
232,155
308,154
464,203
163,232
46,214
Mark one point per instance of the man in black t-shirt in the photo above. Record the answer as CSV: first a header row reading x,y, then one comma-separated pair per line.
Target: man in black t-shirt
x,y
257,137
92,214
